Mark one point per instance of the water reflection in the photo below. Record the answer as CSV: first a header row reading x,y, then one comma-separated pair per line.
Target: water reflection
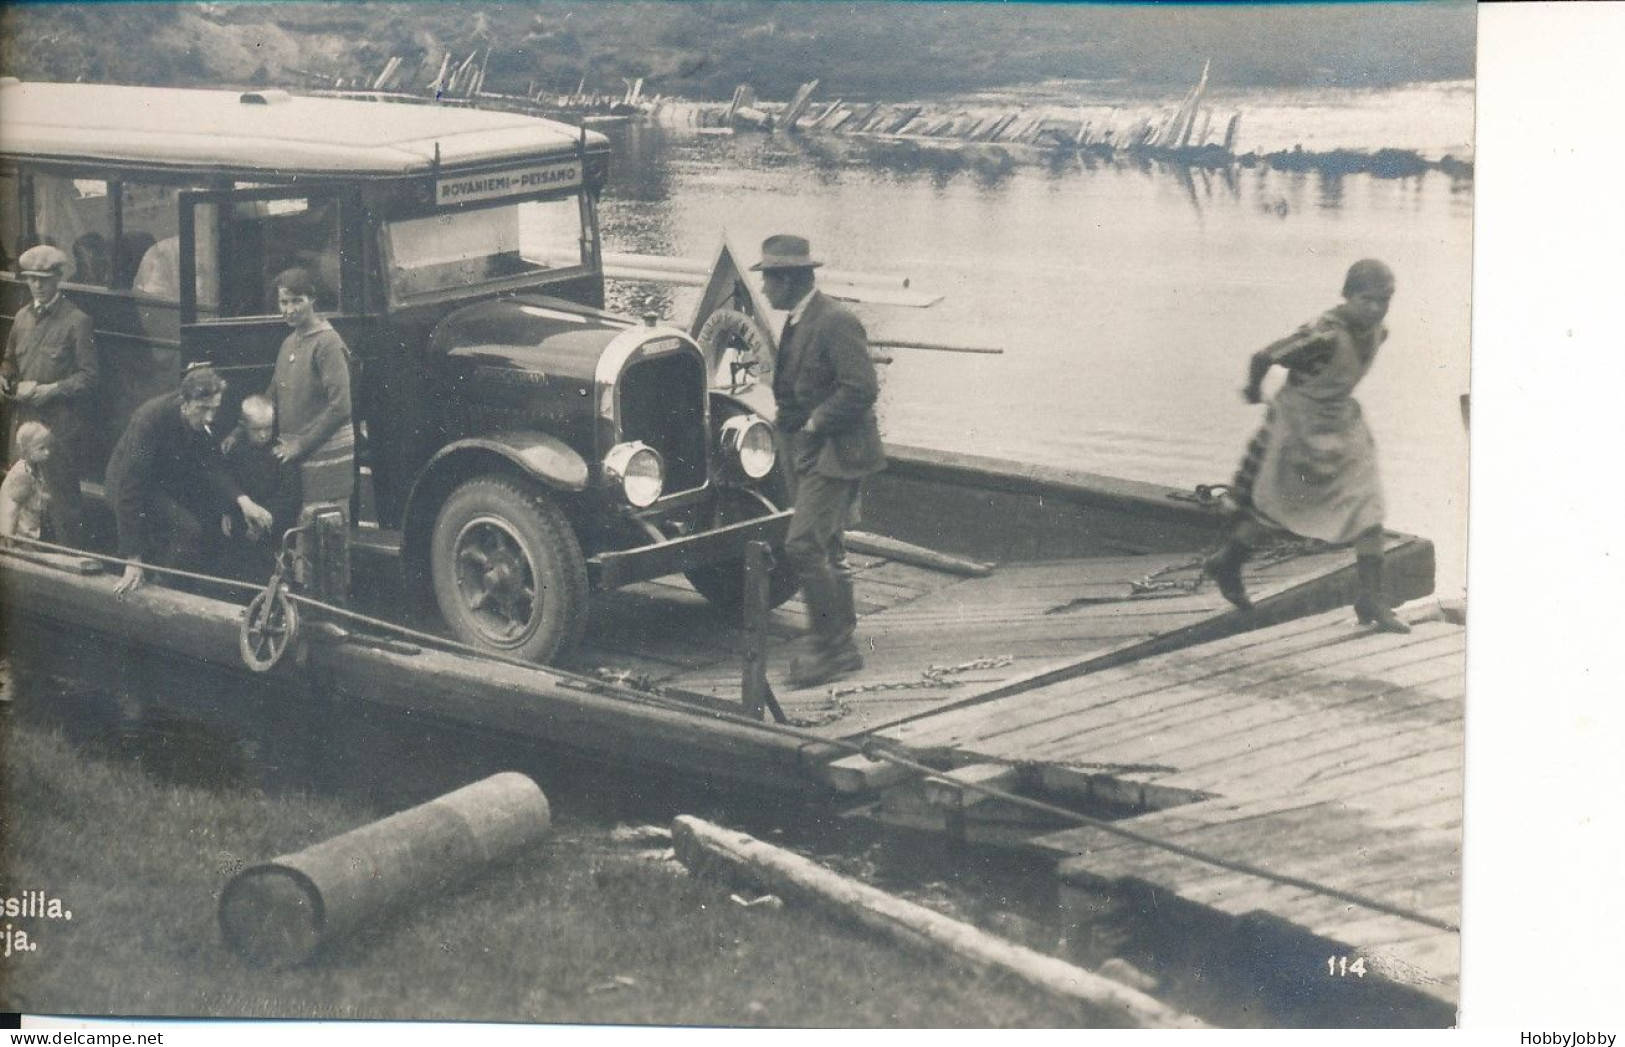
x,y
1127,293
1330,195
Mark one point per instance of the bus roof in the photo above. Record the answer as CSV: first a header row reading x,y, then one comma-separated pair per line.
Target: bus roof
x,y
266,130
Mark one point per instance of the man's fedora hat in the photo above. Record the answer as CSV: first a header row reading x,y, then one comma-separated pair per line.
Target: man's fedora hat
x,y
42,260
785,251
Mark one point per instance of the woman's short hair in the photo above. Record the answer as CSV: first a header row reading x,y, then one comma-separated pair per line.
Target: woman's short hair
x,y
200,383
296,281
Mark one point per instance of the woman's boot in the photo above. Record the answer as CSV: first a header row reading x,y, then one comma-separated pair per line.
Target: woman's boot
x,y
1371,607
1224,567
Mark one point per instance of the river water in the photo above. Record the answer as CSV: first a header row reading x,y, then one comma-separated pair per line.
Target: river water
x,y
1127,297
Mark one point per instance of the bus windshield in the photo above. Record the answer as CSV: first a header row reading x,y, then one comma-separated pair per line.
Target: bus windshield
x,y
474,247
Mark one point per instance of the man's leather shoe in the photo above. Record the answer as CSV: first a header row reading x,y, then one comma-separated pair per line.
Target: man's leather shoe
x,y
825,667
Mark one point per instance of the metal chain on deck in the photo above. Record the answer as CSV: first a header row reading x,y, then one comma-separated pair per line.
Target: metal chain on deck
x,y
1277,552
1156,583
930,676
871,749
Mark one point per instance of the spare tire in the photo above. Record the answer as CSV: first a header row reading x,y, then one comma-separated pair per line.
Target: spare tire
x,y
738,352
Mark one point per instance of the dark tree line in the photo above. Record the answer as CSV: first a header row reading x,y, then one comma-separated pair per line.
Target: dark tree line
x,y
880,49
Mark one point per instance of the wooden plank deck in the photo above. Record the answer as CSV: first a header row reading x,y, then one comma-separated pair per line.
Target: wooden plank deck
x,y
1318,750
930,638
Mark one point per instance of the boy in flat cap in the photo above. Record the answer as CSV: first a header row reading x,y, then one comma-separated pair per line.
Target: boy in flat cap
x,y
48,375
1312,468
825,386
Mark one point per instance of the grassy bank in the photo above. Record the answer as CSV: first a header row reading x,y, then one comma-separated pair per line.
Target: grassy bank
x,y
585,928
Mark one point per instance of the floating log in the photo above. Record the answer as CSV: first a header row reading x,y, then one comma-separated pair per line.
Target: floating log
x,y
697,267
911,127
872,118
827,116
439,82
839,291
842,116
700,844
935,347
280,913
797,106
388,71
905,115
1000,125
846,285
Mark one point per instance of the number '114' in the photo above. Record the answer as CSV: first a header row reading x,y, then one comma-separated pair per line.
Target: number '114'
x,y
1342,966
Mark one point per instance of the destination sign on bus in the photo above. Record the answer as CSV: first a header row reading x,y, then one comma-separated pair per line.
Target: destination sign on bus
x,y
465,189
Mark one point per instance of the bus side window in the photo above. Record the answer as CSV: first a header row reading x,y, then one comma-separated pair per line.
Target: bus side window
x,y
149,257
131,250
11,217
76,214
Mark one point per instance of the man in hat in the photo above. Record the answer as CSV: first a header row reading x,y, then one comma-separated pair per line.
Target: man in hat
x,y
825,386
49,375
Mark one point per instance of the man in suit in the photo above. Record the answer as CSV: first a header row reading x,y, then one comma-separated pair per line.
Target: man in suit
x,y
825,386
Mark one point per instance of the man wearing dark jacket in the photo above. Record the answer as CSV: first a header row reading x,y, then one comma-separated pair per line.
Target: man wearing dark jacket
x,y
49,375
169,480
825,386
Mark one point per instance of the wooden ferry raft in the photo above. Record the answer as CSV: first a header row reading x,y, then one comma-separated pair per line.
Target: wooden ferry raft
x,y
1317,764
659,682
934,638
1085,667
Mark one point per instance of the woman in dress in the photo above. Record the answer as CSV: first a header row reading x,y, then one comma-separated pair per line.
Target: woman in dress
x,y
1312,468
311,391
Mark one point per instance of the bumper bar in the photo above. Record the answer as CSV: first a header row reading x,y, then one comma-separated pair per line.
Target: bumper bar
x,y
615,569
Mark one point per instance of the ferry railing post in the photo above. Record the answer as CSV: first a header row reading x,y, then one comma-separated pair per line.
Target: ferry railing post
x,y
755,692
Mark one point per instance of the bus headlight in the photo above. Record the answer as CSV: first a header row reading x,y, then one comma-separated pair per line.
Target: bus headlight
x,y
638,469
748,440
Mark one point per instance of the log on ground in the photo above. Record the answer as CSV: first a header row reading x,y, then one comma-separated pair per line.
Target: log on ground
x,y
701,844
282,912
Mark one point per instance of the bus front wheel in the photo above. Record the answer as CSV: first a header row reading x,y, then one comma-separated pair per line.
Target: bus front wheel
x,y
507,571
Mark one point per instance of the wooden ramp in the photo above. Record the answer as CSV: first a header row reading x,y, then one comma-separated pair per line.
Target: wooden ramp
x,y
1318,750
933,639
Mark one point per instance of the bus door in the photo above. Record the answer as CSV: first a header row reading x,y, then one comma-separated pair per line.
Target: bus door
x,y
250,235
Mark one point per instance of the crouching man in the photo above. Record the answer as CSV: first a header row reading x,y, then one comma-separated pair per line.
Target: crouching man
x,y
168,478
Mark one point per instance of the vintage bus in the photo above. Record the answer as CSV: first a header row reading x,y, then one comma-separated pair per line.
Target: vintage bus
x,y
517,446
